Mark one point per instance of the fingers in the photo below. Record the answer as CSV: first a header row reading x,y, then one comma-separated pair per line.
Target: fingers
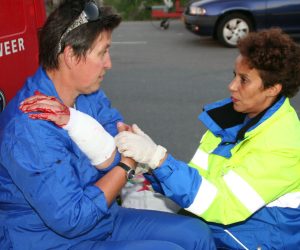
x,y
120,140
124,136
123,140
39,98
127,154
45,104
59,120
43,116
39,107
137,130
123,127
49,108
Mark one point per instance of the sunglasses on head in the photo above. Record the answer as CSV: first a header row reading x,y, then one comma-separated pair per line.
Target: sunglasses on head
x,y
90,13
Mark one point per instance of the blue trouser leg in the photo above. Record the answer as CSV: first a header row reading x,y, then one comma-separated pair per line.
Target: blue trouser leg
x,y
147,229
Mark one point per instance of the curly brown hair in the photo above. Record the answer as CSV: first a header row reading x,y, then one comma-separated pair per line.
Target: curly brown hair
x,y
276,56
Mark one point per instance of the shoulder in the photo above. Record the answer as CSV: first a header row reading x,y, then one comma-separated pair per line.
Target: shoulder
x,y
99,106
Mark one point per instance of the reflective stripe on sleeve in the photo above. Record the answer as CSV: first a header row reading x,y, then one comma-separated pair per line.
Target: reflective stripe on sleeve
x,y
204,198
243,191
291,200
200,159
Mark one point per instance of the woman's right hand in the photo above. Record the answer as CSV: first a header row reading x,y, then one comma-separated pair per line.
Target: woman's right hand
x,y
49,108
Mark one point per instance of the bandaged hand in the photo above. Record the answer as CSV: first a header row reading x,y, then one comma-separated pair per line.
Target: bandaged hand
x,y
140,147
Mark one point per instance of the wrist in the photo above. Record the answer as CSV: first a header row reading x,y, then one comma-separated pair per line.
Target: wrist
x,y
129,161
158,157
71,121
130,172
162,160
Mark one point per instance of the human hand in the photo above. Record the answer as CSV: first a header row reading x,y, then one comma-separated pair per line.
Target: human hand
x,y
123,127
50,108
89,135
140,147
128,161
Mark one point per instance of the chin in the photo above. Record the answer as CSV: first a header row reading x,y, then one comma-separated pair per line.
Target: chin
x,y
92,90
237,108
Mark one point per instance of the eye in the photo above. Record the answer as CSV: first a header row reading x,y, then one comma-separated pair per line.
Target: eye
x,y
243,80
102,53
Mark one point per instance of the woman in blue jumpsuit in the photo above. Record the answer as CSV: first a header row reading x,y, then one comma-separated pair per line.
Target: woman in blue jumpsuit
x,y
51,196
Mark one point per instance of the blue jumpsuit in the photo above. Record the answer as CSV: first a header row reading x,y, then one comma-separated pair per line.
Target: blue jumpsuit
x,y
47,196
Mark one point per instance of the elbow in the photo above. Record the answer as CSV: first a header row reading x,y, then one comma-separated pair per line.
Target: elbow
x,y
70,231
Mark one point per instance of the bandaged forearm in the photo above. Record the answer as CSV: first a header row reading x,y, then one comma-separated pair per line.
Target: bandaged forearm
x,y
92,139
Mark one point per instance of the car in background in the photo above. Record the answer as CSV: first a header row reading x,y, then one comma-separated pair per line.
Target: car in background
x,y
229,20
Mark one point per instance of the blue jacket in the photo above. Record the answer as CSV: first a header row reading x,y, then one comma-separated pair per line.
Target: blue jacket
x,y
47,196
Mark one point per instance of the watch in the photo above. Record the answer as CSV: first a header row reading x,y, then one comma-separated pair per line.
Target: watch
x,y
130,172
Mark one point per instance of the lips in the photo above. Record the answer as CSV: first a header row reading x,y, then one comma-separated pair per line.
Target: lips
x,y
234,99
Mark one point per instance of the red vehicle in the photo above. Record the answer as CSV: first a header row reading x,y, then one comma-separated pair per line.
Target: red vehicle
x,y
20,21
164,12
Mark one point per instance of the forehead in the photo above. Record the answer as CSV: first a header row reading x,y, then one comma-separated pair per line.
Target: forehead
x,y
241,63
243,69
103,40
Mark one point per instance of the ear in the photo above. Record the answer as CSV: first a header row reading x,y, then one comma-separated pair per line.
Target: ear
x,y
274,90
69,57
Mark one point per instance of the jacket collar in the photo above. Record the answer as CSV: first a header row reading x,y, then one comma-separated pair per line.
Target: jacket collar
x,y
231,126
40,81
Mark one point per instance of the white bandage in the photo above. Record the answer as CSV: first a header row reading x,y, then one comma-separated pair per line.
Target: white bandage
x,y
93,140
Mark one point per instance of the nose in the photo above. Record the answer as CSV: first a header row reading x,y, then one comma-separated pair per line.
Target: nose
x,y
108,63
233,85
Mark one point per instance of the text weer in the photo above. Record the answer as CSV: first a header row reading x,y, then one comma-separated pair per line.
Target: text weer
x,y
11,46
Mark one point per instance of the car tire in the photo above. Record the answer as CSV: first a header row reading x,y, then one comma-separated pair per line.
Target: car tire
x,y
233,27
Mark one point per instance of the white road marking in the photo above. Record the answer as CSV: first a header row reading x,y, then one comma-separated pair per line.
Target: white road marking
x,y
131,42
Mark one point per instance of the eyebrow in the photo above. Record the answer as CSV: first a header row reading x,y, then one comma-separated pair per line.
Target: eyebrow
x,y
246,76
107,46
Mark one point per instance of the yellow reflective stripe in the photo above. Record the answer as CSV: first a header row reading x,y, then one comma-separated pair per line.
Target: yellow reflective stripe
x,y
243,191
291,200
204,198
200,159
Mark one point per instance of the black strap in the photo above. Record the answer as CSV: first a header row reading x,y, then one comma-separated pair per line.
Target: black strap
x,y
124,166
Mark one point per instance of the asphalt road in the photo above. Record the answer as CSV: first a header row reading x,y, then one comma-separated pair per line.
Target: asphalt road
x,y
162,78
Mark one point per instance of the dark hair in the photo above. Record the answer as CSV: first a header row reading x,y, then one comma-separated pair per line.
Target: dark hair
x,y
80,38
276,57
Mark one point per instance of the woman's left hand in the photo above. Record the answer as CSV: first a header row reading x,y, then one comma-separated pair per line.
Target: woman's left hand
x,y
49,108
